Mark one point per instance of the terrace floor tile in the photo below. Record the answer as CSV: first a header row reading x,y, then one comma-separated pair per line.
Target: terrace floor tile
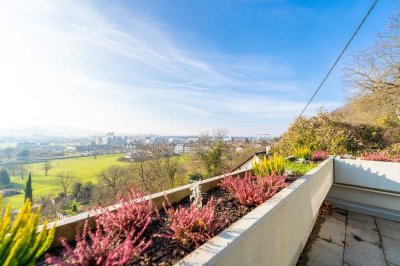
x,y
389,228
368,241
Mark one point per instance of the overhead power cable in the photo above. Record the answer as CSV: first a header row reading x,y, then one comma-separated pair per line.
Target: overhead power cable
x,y
340,56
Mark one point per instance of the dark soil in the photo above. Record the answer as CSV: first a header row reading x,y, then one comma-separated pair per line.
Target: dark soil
x,y
165,251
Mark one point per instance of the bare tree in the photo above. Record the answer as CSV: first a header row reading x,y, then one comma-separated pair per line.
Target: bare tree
x,y
375,73
46,167
113,177
155,168
22,169
65,181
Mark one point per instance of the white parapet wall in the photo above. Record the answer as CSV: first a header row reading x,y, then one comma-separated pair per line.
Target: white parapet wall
x,y
274,233
367,186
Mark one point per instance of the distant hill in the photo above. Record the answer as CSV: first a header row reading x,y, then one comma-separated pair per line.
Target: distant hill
x,y
55,131
362,111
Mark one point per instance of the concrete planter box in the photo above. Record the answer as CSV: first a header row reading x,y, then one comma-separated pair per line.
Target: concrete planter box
x,y
274,233
368,187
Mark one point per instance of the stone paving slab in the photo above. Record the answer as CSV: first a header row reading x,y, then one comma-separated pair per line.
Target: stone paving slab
x,y
323,253
339,215
389,228
363,253
379,243
333,230
391,247
366,231
361,217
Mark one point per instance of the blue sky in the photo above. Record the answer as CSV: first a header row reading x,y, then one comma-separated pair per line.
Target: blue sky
x,y
176,67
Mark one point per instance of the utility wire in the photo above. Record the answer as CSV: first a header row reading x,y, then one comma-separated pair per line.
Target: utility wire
x,y
340,56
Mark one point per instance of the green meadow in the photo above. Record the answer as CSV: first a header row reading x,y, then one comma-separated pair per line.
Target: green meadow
x,y
85,169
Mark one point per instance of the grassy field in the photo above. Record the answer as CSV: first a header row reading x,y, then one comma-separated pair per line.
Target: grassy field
x,y
85,169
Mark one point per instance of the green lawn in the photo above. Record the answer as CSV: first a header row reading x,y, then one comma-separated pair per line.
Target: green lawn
x,y
85,169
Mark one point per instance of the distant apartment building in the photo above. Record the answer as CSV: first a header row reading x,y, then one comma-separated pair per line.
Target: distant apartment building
x,y
178,149
27,145
188,148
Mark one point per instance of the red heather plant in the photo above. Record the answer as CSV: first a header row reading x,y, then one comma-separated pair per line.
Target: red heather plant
x,y
134,214
319,155
99,249
378,157
194,225
253,190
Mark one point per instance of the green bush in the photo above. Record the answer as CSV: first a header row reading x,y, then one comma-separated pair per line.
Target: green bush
x,y
323,132
393,150
4,177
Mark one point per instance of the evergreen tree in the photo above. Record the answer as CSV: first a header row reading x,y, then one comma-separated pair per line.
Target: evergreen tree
x,y
28,188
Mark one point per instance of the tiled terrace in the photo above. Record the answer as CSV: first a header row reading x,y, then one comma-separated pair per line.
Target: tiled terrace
x,y
353,239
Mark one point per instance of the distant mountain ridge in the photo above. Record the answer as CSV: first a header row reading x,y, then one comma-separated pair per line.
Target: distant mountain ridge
x,y
53,131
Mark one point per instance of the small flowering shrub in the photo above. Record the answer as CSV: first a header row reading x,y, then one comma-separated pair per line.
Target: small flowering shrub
x,y
100,249
319,155
194,225
274,165
134,214
252,190
302,153
380,157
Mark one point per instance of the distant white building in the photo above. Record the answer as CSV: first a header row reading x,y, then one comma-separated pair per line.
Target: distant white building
x,y
70,149
185,148
178,149
190,148
239,149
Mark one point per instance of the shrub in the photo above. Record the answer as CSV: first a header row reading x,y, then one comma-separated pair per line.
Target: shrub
x,y
325,132
393,150
194,225
299,169
253,190
4,177
274,165
302,153
133,214
20,244
195,177
100,249
319,155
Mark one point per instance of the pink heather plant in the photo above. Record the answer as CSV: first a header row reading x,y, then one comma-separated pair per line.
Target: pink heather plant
x,y
378,157
98,249
134,214
194,225
319,155
253,190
